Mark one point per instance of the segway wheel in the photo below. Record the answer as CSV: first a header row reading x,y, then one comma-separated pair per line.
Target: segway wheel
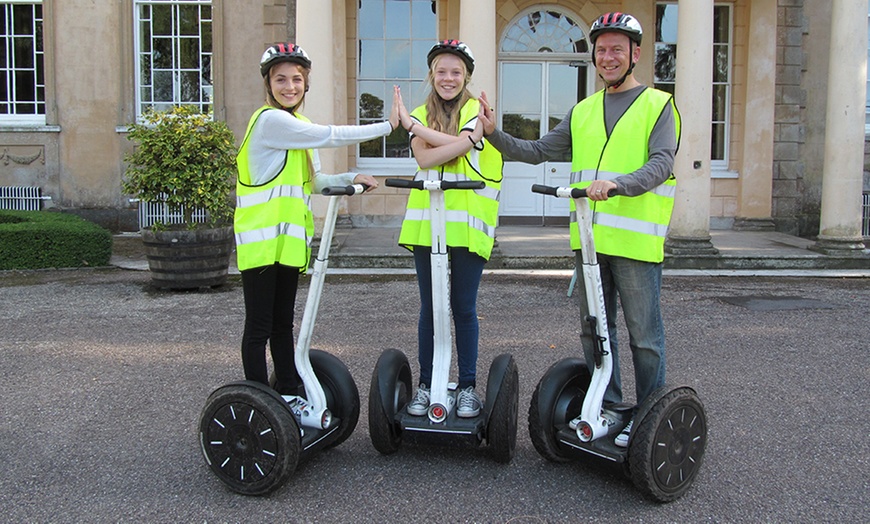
x,y
249,439
342,395
389,393
501,430
558,398
667,448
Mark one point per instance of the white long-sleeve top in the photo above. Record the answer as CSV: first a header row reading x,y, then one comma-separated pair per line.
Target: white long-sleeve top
x,y
275,132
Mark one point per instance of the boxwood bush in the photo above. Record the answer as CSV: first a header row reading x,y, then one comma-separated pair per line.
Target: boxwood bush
x,y
49,239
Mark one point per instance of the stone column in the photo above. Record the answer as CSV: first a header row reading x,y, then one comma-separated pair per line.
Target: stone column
x,y
756,175
690,225
842,178
477,29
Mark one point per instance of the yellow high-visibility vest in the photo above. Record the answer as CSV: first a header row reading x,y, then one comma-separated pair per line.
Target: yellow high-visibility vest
x,y
273,221
472,215
630,227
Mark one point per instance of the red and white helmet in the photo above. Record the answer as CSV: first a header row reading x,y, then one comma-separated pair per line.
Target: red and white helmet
x,y
617,22
454,47
283,52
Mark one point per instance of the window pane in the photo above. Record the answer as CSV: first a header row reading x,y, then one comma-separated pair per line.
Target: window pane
x,y
371,59
666,62
526,98
371,19
526,127
22,19
666,23
162,53
399,64
371,103
188,20
189,53
398,19
422,20
718,146
720,103
720,63
721,24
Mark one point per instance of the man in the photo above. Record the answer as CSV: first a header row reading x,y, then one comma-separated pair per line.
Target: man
x,y
621,138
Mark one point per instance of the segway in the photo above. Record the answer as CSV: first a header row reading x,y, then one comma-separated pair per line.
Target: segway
x,y
249,434
669,434
391,387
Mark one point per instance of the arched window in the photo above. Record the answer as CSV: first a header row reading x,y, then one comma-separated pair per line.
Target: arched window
x,y
544,32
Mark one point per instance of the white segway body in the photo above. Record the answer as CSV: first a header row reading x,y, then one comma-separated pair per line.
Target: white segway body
x,y
668,438
249,434
391,390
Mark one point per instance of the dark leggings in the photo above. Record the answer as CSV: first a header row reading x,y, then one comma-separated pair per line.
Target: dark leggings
x,y
270,298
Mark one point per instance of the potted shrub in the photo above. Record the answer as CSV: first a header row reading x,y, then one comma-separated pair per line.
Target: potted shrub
x,y
186,160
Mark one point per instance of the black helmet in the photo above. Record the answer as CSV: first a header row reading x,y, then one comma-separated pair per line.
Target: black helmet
x,y
617,22
454,47
283,52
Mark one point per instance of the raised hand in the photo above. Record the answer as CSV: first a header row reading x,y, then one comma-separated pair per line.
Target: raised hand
x,y
486,115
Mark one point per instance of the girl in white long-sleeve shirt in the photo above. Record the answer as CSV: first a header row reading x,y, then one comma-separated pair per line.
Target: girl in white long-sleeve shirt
x,y
278,169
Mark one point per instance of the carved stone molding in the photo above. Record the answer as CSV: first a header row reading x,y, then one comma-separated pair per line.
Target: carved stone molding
x,y
23,155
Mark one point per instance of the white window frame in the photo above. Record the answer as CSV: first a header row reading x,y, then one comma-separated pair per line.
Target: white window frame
x,y
206,96
26,119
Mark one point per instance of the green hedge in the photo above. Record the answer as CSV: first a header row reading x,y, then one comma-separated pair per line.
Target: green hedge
x,y
49,239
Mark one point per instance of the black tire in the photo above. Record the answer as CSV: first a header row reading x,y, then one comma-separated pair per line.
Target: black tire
x,y
667,448
342,395
501,431
558,398
249,438
389,393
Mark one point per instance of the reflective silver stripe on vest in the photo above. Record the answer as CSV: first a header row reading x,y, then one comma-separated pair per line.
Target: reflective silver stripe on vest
x,y
588,175
271,233
487,192
261,197
627,224
453,216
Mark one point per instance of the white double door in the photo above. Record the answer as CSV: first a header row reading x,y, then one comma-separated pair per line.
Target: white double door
x,y
534,96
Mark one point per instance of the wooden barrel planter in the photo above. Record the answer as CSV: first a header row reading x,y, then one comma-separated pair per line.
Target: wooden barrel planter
x,y
188,259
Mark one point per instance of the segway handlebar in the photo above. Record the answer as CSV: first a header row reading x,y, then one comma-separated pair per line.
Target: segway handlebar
x,y
434,184
564,192
354,189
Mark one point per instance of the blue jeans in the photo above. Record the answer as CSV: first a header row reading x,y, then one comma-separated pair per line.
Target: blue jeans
x,y
638,286
466,269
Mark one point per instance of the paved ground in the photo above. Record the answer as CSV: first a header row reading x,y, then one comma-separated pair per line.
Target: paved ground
x,y
104,377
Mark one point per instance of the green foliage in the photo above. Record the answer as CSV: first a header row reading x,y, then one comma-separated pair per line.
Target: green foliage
x,y
187,156
49,239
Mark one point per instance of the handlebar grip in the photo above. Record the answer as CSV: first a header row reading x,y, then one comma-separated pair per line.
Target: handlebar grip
x,y
463,184
544,190
344,190
401,182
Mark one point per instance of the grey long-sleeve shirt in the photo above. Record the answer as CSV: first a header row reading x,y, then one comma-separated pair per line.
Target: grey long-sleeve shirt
x,y
557,143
